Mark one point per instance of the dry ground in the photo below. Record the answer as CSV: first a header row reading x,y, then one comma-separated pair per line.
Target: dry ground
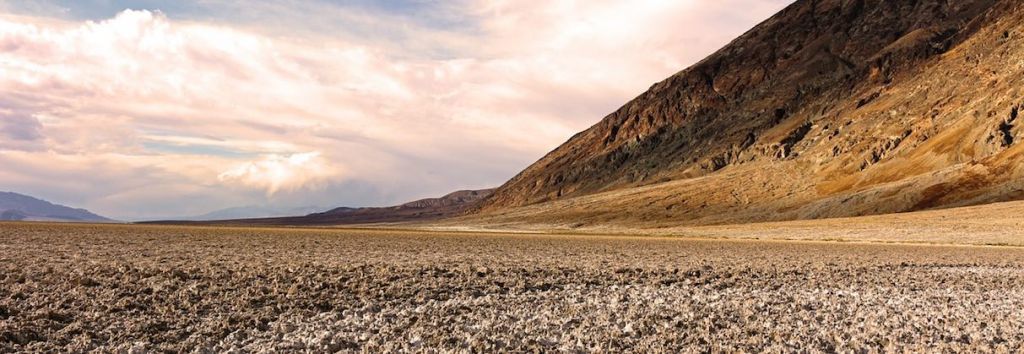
x,y
72,288
997,224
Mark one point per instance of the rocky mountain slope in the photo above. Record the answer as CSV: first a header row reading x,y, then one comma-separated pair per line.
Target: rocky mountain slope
x,y
830,108
450,205
18,207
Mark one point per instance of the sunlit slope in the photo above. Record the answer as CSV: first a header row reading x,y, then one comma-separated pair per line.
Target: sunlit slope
x,y
828,109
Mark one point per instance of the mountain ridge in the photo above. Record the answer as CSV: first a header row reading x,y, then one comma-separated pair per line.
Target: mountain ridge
x,y
422,210
830,108
20,207
253,211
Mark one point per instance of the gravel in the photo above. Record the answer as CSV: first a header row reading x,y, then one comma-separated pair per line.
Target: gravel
x,y
120,288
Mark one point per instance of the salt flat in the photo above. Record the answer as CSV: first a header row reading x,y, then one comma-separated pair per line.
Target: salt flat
x,y
67,287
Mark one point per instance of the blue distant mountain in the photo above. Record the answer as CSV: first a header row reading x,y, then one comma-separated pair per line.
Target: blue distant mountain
x,y
19,207
254,211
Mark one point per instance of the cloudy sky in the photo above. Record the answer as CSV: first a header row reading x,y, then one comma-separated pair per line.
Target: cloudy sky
x,y
151,108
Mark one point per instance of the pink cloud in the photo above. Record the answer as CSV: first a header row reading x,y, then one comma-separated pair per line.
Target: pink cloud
x,y
20,132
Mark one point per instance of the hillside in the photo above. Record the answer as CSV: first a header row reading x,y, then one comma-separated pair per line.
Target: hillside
x,y
18,207
830,108
452,204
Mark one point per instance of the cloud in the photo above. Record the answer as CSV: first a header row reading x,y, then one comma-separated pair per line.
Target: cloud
x,y
20,132
245,114
20,128
276,172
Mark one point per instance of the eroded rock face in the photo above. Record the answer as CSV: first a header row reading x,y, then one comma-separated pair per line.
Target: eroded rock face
x,y
826,101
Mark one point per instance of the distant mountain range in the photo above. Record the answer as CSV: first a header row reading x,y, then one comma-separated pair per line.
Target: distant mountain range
x,y
19,207
254,211
450,205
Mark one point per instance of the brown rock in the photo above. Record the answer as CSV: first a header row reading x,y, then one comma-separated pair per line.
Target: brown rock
x,y
829,108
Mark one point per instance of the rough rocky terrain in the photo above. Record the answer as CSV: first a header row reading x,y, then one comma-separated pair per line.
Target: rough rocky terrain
x,y
74,288
831,108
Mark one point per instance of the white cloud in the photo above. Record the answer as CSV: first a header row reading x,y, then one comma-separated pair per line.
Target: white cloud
x,y
276,172
211,105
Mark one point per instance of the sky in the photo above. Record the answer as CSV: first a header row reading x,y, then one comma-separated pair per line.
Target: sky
x,y
142,109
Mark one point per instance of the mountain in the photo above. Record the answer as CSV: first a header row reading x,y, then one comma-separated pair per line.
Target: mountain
x,y
830,108
20,207
254,211
450,205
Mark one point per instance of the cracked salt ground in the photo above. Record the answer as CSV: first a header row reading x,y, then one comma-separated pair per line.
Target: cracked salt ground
x,y
75,288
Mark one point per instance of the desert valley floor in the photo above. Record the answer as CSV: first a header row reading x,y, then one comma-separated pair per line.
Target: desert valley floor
x,y
73,288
